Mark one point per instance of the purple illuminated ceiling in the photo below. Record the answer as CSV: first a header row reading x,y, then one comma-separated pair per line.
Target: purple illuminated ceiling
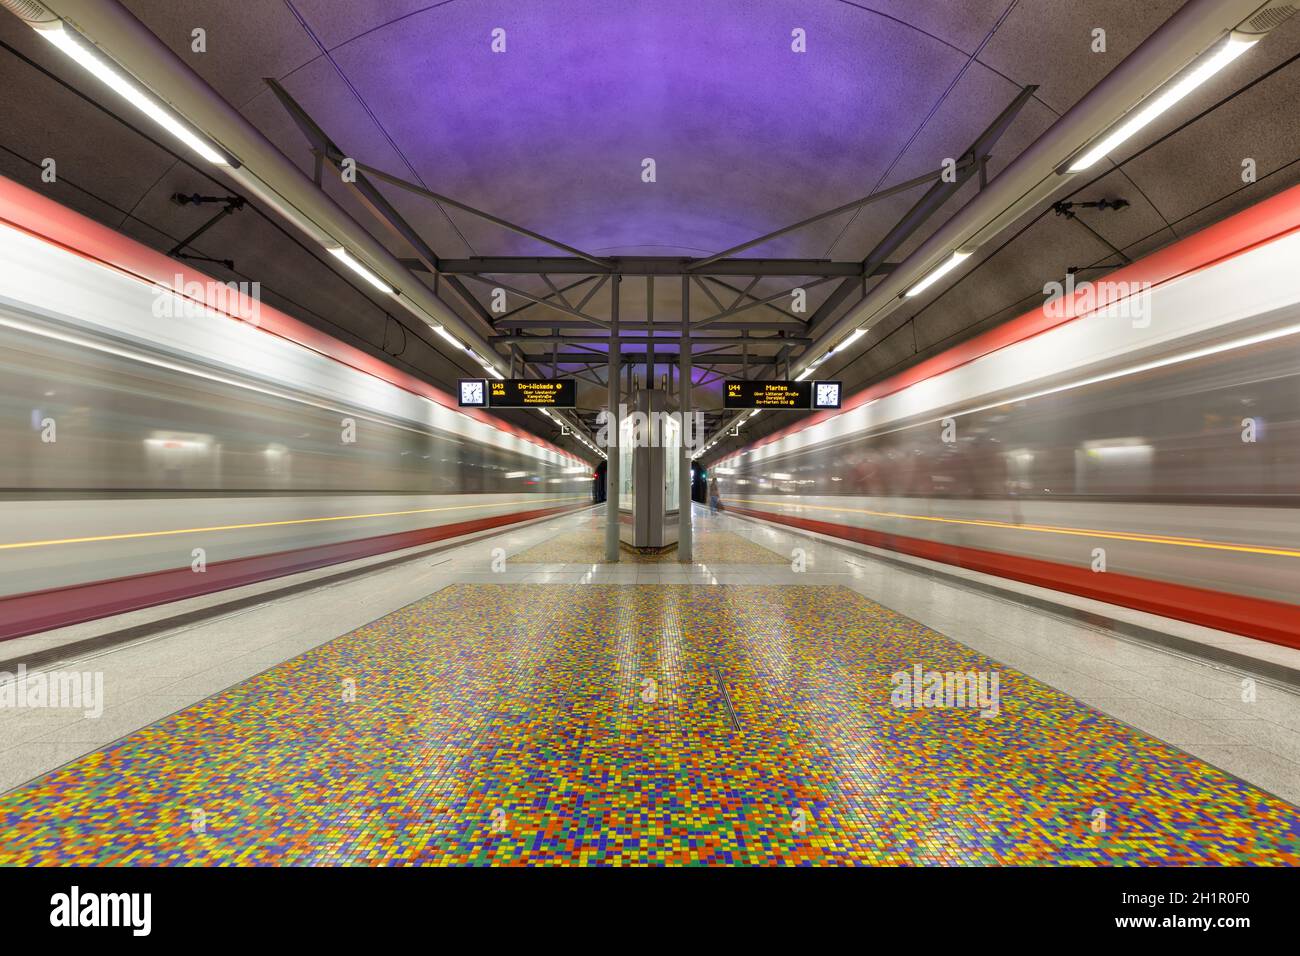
x,y
746,134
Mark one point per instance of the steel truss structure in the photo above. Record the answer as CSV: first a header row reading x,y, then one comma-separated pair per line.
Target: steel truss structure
x,y
563,325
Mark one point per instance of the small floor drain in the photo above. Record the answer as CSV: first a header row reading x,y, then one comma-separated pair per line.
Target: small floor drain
x,y
726,699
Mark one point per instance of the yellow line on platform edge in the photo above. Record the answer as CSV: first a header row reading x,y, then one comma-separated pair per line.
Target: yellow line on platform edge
x,y
1049,529
272,524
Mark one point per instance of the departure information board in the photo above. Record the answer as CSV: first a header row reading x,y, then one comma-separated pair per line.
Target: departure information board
x,y
815,395
768,395
532,393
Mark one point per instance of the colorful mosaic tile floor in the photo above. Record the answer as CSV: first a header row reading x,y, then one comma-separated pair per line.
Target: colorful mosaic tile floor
x,y
588,724
711,546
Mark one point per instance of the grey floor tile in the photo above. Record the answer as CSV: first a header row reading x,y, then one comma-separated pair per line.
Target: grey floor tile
x,y
117,722
35,758
1264,735
1259,767
1072,683
18,725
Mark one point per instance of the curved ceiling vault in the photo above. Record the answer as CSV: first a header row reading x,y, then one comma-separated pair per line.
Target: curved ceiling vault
x,y
746,134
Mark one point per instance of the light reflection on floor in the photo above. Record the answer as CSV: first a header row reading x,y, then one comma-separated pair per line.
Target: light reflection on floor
x,y
513,724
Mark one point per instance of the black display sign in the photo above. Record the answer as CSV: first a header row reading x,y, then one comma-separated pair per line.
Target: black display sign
x,y
768,395
532,393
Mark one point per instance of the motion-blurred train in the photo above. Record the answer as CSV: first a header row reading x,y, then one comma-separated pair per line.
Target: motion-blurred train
x,y
1137,442
152,453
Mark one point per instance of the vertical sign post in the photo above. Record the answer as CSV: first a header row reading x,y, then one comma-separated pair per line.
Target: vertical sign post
x,y
613,426
685,546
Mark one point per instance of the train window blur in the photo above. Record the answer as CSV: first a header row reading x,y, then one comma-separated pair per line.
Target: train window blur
x,y
126,425
1169,434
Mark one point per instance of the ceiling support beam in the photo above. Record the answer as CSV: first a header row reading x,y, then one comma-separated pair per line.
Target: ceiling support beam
x,y
1040,172
639,358
921,180
756,326
753,298
486,216
497,284
736,309
684,402
263,173
375,202
645,339
643,266
558,293
971,163
832,302
566,288
613,426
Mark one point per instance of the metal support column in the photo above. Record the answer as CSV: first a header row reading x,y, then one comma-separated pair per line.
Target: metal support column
x,y
613,426
650,332
685,546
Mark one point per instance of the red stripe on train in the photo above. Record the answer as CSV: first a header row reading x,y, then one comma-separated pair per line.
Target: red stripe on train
x,y
59,607
1266,620
1264,222
43,218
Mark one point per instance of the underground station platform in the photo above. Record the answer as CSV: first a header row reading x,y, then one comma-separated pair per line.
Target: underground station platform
x,y
781,461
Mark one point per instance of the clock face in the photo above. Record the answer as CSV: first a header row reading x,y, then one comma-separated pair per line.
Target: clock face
x,y
472,391
828,395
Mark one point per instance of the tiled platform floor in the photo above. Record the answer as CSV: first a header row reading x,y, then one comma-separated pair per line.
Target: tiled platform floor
x,y
587,546
509,724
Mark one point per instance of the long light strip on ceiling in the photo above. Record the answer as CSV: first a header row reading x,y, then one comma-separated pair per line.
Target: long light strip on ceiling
x,y
487,366
345,257
79,50
937,273
1210,63
442,330
857,334
360,269
1204,67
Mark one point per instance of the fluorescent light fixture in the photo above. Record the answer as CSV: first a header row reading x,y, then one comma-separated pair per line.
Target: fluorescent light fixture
x,y
1205,66
952,262
442,330
86,56
803,375
493,372
857,334
754,412
345,257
